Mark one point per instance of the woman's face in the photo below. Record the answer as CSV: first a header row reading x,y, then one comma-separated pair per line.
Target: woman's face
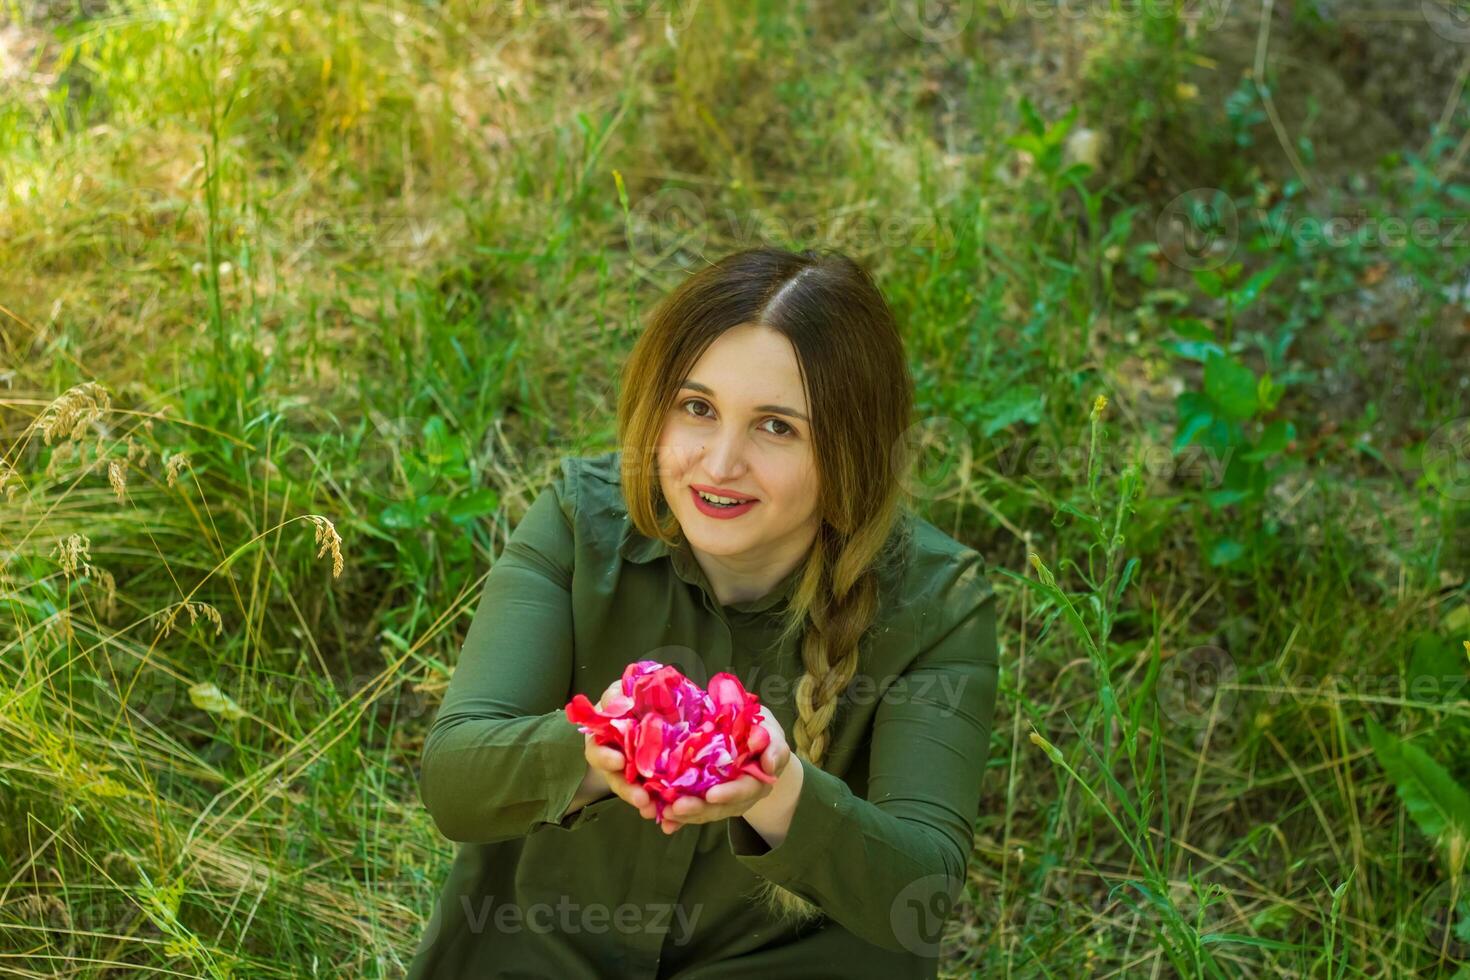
x,y
740,424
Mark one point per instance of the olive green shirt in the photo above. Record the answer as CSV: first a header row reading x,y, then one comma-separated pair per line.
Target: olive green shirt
x,y
880,836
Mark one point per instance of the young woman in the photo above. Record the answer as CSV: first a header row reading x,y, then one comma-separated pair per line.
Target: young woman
x,y
753,522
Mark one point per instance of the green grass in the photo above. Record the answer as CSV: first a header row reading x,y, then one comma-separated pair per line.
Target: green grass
x,y
366,273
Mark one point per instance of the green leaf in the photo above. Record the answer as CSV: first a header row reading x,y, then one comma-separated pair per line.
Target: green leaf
x,y
1031,118
210,698
1231,386
1125,578
468,506
1068,508
402,516
1022,403
1224,498
1193,328
1436,669
1273,441
1225,550
1268,393
1194,350
1438,805
1210,283
1256,284
1194,417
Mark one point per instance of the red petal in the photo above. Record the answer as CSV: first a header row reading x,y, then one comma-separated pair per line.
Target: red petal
x,y
758,739
755,769
650,743
726,689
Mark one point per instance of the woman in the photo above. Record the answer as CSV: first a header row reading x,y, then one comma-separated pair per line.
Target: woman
x,y
752,523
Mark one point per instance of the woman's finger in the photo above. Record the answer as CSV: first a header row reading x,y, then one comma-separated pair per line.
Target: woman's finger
x,y
630,793
607,758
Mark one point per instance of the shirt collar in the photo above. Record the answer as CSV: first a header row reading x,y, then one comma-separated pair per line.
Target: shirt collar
x,y
638,548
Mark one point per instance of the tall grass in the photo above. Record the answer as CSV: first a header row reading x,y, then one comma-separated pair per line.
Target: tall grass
x,y
300,306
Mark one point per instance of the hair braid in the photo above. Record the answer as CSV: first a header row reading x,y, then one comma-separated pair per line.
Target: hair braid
x,y
829,649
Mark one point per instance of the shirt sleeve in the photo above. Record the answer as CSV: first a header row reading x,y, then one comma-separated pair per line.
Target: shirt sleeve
x,y
873,864
501,760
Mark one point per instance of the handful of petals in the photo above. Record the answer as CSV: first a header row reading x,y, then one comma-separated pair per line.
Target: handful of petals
x,y
678,740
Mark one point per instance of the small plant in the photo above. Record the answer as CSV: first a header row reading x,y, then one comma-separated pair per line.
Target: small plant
x,y
1131,808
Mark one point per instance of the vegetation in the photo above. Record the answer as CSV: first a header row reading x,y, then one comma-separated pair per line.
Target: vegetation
x,y
301,305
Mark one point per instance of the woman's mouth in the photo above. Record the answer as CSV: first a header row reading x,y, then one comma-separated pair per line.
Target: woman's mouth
x,y
720,511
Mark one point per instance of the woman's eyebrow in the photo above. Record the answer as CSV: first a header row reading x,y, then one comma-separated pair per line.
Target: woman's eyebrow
x,y
778,409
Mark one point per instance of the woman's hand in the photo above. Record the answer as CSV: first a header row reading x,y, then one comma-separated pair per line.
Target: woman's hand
x,y
608,764
735,797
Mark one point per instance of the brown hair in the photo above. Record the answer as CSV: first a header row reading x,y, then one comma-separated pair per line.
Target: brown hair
x,y
860,396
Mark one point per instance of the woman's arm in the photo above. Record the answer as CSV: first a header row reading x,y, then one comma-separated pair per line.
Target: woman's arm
x,y
771,816
874,865
594,787
501,760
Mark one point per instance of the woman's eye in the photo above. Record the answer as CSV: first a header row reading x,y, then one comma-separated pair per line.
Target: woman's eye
x,y
786,430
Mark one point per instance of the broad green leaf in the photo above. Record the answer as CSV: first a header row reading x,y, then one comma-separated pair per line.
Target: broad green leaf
x,y
1194,417
1192,328
468,506
1224,498
1273,440
1438,805
1231,386
1194,350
